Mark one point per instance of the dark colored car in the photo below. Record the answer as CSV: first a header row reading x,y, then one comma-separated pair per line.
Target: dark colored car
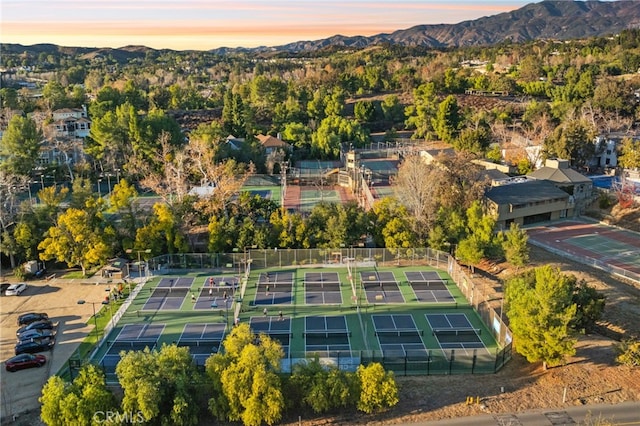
x,y
38,325
36,334
22,361
30,317
34,345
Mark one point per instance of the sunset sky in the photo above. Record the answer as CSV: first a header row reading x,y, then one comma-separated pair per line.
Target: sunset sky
x,y
208,24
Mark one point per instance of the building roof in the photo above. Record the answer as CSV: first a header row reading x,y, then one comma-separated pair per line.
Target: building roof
x,y
529,191
553,174
272,142
494,174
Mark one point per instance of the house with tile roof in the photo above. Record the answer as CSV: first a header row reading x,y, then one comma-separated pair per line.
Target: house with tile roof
x,y
271,144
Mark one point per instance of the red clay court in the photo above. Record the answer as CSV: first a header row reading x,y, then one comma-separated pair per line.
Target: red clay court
x,y
606,247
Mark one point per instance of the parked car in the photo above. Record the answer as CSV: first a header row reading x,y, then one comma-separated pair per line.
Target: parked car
x,y
22,361
3,288
30,317
15,289
38,325
36,334
34,345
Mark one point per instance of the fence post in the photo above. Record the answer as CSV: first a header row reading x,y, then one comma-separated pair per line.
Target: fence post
x,y
473,361
451,359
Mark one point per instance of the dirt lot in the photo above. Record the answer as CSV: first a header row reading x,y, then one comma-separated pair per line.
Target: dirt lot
x,y
58,298
589,377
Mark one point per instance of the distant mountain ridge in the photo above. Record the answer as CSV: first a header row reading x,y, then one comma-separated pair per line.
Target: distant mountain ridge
x,y
549,19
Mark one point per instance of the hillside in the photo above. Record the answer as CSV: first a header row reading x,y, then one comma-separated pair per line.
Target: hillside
x,y
556,19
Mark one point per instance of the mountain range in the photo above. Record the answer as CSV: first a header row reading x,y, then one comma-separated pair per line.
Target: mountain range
x,y
549,19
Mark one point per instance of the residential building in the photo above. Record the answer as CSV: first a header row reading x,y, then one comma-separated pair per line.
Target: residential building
x,y
271,144
527,201
559,173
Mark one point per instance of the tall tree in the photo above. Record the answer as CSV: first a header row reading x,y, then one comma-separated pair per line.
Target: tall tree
x,y
448,119
540,308
77,239
82,402
162,384
20,146
515,246
245,378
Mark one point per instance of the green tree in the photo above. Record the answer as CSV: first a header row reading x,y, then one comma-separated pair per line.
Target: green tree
x,y
378,388
332,132
420,115
629,157
76,403
364,111
447,119
77,240
320,388
515,246
480,241
392,225
245,378
573,140
589,305
540,308
163,385
392,109
20,146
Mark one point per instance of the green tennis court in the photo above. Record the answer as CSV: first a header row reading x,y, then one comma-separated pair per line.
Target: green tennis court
x,y
355,329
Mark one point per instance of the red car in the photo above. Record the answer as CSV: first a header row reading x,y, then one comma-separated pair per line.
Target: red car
x,y
22,361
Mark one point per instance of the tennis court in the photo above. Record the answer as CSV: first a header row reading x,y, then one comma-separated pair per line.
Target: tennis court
x,y
398,335
202,339
132,337
428,287
276,327
310,196
381,287
166,298
325,311
609,248
455,331
274,289
326,334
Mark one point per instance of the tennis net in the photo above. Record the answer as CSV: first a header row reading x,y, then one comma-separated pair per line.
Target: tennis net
x,y
122,345
174,291
456,331
327,334
399,333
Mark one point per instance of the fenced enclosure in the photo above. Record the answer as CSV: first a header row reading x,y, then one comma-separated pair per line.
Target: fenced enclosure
x,y
463,360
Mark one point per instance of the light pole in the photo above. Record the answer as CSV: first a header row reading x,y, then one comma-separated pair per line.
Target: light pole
x,y
95,318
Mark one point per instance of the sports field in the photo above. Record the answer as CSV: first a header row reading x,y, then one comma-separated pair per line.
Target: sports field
x,y
412,319
613,249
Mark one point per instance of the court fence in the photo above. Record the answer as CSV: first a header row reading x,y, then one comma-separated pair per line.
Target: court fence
x,y
481,298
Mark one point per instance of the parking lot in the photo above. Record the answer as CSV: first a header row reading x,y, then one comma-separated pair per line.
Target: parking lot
x,y
58,298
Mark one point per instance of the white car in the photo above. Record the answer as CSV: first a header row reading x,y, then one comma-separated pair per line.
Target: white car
x,y
15,289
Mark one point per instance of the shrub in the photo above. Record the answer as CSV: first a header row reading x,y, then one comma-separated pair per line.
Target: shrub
x,y
629,353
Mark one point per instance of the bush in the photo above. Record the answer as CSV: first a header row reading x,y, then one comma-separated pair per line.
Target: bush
x,y
629,353
20,273
604,202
